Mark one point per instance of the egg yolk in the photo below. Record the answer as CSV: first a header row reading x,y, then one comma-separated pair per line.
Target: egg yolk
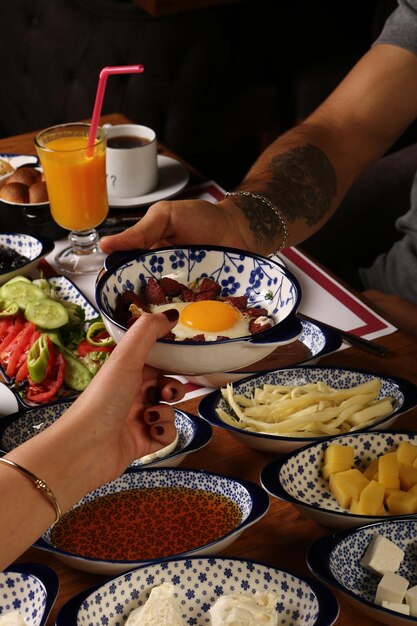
x,y
208,315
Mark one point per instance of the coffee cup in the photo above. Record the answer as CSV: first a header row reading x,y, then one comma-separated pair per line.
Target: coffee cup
x,y
131,160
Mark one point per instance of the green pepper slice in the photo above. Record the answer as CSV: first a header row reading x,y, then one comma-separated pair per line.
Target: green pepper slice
x,y
95,328
8,308
38,359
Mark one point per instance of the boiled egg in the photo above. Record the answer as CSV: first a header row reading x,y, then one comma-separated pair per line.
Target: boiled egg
x,y
212,318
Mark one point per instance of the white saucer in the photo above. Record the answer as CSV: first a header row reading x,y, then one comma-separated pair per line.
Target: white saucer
x,y
173,177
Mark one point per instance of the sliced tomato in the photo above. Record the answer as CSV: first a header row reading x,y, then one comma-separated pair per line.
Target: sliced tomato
x,y
22,373
17,347
5,324
49,387
11,333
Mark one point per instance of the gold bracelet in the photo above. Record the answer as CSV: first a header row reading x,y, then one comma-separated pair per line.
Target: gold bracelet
x,y
270,205
39,484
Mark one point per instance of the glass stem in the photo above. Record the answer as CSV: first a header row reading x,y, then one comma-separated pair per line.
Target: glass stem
x,y
84,241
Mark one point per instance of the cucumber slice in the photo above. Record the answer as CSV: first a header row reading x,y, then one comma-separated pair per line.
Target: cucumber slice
x,y
21,292
77,375
46,313
17,278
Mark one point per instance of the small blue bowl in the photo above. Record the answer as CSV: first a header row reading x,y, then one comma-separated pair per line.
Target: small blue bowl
x,y
29,588
15,429
249,497
335,559
29,246
265,282
296,477
403,392
198,582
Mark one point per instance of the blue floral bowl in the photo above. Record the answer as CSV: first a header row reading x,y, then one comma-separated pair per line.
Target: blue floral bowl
x,y
335,559
193,433
29,588
29,246
296,477
267,284
198,582
251,500
403,393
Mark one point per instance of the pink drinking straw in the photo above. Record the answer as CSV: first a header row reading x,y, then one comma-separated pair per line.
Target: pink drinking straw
x,y
101,88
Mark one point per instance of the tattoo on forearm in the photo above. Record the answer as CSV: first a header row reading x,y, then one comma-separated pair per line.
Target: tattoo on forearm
x,y
302,186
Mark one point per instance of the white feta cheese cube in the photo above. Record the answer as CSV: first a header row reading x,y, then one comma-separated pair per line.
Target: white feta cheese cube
x,y
396,606
391,588
411,600
382,555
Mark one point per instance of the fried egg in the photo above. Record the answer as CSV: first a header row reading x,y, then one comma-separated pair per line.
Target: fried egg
x,y
212,318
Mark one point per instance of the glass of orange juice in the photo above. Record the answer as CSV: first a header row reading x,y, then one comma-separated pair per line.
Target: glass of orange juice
x,y
75,176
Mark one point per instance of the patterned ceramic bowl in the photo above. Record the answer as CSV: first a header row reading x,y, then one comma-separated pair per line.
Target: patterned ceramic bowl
x,y
198,582
29,588
267,284
403,392
230,503
29,246
193,433
315,341
335,559
296,477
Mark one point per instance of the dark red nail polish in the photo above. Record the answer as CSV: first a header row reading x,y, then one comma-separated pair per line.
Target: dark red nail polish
x,y
171,314
153,416
159,430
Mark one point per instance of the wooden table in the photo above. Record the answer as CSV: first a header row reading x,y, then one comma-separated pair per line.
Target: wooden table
x,y
281,538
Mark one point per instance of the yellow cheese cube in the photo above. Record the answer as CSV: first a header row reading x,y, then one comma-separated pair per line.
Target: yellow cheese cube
x,y
331,468
402,503
347,485
371,498
371,470
354,508
339,455
408,476
406,453
388,492
388,470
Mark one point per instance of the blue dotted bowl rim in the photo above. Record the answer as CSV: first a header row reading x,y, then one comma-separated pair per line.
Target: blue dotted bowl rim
x,y
47,245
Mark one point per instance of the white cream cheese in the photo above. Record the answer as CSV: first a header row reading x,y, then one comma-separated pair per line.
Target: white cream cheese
x,y
12,618
244,610
161,609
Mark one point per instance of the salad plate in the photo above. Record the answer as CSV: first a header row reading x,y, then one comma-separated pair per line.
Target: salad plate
x,y
68,292
173,177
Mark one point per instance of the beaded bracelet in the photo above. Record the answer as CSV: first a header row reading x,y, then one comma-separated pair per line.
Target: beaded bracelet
x,y
39,484
270,205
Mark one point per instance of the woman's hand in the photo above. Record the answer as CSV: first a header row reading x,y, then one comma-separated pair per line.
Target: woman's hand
x,y
183,222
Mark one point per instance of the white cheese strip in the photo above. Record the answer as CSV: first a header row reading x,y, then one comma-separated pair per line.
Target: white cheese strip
x,y
382,556
391,588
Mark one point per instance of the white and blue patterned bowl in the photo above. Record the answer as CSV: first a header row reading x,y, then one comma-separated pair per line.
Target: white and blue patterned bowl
x,y
33,248
29,588
296,477
316,340
193,432
251,499
266,283
335,559
198,583
403,392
